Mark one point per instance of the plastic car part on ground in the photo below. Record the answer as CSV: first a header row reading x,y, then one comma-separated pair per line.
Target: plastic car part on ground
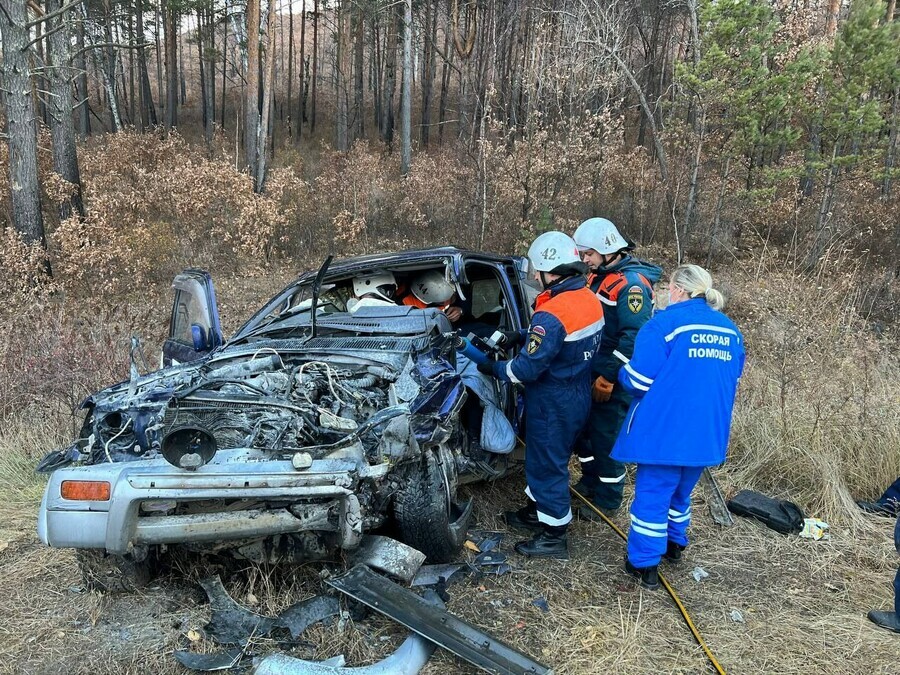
x,y
389,556
442,628
409,659
209,662
233,624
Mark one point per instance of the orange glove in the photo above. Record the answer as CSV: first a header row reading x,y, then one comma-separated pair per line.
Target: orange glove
x,y
602,390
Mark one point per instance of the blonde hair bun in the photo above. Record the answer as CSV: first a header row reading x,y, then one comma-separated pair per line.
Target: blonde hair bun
x,y
697,282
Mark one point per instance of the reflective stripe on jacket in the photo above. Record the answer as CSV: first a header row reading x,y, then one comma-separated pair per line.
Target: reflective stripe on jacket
x,y
683,376
561,340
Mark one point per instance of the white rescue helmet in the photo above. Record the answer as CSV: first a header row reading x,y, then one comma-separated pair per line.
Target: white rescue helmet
x,y
379,284
601,235
432,288
552,250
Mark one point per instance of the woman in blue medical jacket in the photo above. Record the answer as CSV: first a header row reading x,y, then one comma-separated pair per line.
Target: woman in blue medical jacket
x,y
683,377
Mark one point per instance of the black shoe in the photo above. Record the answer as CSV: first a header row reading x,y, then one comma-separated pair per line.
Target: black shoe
x,y
545,544
673,551
888,620
583,489
524,519
648,576
886,510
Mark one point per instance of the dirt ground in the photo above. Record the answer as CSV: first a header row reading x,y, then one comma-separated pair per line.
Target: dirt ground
x,y
803,603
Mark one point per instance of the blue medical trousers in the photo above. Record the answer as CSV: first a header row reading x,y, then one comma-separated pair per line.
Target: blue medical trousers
x,y
554,416
661,510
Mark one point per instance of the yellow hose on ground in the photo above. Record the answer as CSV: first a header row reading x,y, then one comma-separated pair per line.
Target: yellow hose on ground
x,y
666,585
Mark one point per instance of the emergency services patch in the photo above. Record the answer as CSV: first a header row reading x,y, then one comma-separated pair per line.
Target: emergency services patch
x,y
635,299
540,330
534,342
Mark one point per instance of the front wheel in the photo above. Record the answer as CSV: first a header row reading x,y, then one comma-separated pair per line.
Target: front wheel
x,y
427,515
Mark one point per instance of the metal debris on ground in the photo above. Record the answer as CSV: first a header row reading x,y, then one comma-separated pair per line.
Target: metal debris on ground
x,y
541,603
816,529
439,626
486,540
699,573
736,616
389,556
409,659
300,616
207,662
429,575
231,623
490,559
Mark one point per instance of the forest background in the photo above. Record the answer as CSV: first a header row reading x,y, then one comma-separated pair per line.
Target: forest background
x,y
251,138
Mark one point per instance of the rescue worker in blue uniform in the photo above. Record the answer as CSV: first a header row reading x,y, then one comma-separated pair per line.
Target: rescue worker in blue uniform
x,y
683,377
555,368
624,285
891,620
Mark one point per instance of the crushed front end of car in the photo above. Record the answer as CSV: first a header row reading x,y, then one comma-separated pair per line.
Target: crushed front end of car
x,y
273,449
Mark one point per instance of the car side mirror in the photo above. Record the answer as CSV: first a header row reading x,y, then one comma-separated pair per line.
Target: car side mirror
x,y
198,336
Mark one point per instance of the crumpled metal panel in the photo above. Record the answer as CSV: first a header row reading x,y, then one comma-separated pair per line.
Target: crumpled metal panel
x,y
438,625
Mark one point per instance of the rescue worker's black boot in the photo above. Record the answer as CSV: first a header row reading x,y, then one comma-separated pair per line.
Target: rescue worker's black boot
x,y
888,620
525,518
550,542
584,489
648,576
673,552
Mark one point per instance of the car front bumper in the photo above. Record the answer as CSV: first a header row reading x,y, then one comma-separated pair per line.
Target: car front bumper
x,y
318,498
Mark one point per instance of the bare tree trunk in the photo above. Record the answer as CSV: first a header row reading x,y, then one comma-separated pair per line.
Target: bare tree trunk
x,y
820,235
81,84
406,91
890,158
358,73
445,86
224,64
342,140
303,84
62,125
16,89
142,118
390,76
831,17
38,80
290,69
133,114
315,67
268,95
251,103
157,9
171,48
429,68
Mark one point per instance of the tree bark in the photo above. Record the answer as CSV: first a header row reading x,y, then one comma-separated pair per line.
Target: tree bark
x,y
268,96
303,84
342,140
358,75
16,89
290,69
406,91
445,86
251,102
831,17
171,49
429,68
81,84
390,76
62,124
315,67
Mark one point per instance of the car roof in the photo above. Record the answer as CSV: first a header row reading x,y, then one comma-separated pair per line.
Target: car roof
x,y
424,255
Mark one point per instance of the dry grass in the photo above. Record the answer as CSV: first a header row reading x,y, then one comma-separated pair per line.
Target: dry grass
x,y
803,602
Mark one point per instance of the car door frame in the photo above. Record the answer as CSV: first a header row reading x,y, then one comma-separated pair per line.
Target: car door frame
x,y
175,350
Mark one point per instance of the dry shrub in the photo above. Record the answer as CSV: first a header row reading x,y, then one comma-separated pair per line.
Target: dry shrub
x,y
159,204
818,419
23,273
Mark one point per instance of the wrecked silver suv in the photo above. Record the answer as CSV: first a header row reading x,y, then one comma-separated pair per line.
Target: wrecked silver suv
x,y
300,433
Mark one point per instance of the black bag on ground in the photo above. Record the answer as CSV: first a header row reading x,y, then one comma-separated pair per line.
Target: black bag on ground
x,y
782,516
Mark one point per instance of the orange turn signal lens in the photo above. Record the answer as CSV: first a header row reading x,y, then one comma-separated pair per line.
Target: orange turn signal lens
x,y
85,490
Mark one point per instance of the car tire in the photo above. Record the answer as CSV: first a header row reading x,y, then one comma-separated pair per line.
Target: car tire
x,y
109,573
424,516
